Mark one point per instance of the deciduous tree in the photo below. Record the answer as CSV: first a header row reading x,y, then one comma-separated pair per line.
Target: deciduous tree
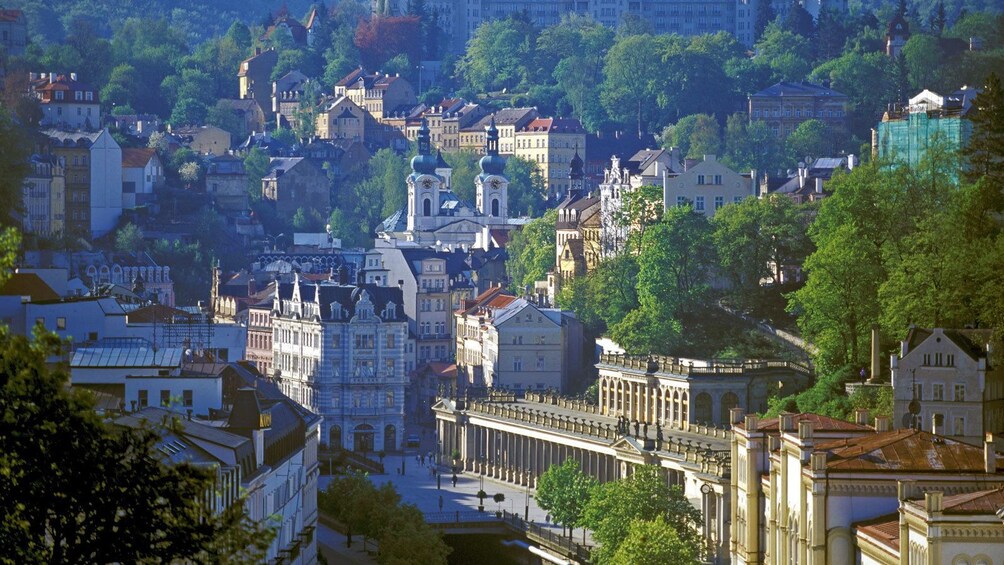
x,y
532,252
563,490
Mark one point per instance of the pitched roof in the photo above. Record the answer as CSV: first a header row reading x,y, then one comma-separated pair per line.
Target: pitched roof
x,y
125,357
973,342
979,502
884,530
799,89
136,158
903,450
820,423
28,284
554,125
11,15
347,296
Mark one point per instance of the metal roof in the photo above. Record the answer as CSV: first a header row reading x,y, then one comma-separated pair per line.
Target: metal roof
x,y
98,357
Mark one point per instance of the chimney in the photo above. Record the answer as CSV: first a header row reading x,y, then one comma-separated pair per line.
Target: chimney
x,y
52,77
933,501
787,422
819,185
73,76
876,353
805,431
938,424
752,421
861,416
736,416
883,424
852,161
251,286
817,461
906,490
989,455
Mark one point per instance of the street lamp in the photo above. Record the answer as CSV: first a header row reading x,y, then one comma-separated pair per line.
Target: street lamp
x,y
275,239
526,498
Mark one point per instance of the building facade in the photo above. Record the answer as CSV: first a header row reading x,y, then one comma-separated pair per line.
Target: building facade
x,y
93,172
647,167
13,32
707,187
378,94
551,143
227,183
508,121
340,118
339,351
785,105
254,79
44,196
943,382
295,182
142,176
67,102
904,134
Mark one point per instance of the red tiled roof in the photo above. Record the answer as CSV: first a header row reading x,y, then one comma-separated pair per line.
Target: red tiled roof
x,y
819,423
136,158
28,284
884,530
980,502
555,125
501,237
448,370
903,450
10,15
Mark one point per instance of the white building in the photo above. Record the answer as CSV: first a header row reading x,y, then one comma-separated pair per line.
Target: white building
x,y
142,174
707,186
263,447
434,216
943,382
339,350
802,483
645,168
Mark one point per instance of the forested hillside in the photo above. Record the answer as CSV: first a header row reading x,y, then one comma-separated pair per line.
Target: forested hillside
x,y
52,20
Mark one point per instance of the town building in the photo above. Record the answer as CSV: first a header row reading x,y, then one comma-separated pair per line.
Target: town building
x,y
93,171
295,182
601,147
551,143
577,232
434,216
904,134
204,140
808,182
260,335
263,448
339,351
447,118
340,118
806,488
897,34
137,125
943,381
785,105
645,168
250,116
283,23
508,121
13,32
378,94
935,527
286,95
142,176
507,342
66,102
44,196
227,183
681,393
255,79
707,186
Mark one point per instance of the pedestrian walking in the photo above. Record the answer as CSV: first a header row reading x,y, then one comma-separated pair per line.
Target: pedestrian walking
x,y
454,480
423,460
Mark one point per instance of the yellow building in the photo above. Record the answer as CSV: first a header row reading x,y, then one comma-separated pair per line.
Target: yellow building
x,y
340,118
508,121
378,94
551,143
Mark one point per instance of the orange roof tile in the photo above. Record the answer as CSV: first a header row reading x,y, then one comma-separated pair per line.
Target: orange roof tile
x,y
980,502
136,158
820,423
903,450
884,530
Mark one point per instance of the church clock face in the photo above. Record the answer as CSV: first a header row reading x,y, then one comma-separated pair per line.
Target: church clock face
x,y
427,183
495,183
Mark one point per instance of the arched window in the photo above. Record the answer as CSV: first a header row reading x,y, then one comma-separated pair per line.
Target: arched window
x,y
335,437
495,207
702,408
729,401
427,207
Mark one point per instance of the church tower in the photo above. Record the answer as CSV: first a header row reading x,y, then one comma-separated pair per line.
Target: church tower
x,y
492,186
898,32
576,176
423,185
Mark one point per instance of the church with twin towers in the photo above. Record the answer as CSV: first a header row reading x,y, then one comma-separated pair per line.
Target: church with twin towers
x,y
435,217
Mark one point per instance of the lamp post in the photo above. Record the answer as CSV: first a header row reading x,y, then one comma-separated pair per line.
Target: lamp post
x,y
526,498
706,492
275,239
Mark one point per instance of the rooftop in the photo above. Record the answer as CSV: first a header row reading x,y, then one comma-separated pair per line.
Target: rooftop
x,y
106,357
903,450
799,89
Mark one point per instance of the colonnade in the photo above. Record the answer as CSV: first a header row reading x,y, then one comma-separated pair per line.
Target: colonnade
x,y
645,402
516,457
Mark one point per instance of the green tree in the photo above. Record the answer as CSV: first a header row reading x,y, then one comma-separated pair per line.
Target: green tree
x,y
985,150
646,496
696,135
641,208
630,90
563,490
532,252
526,187
13,166
256,164
117,502
924,58
653,542
497,55
129,239
749,145
788,55
407,538
811,139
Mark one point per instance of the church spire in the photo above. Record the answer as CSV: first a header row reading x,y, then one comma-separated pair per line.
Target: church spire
x,y
492,163
424,162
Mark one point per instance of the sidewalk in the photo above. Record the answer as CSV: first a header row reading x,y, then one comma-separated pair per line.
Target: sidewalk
x,y
418,486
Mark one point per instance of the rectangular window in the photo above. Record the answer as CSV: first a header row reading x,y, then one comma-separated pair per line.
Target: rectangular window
x,y
540,362
681,200
187,398
918,391
959,426
517,363
143,398
719,202
938,391
737,199
960,393
60,323
718,179
389,365
938,358
927,359
700,179
165,397
390,340
950,360
699,204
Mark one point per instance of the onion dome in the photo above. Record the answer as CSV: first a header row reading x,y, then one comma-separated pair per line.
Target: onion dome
x,y
423,163
492,163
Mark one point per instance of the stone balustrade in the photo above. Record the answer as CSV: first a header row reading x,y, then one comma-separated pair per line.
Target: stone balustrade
x,y
676,366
